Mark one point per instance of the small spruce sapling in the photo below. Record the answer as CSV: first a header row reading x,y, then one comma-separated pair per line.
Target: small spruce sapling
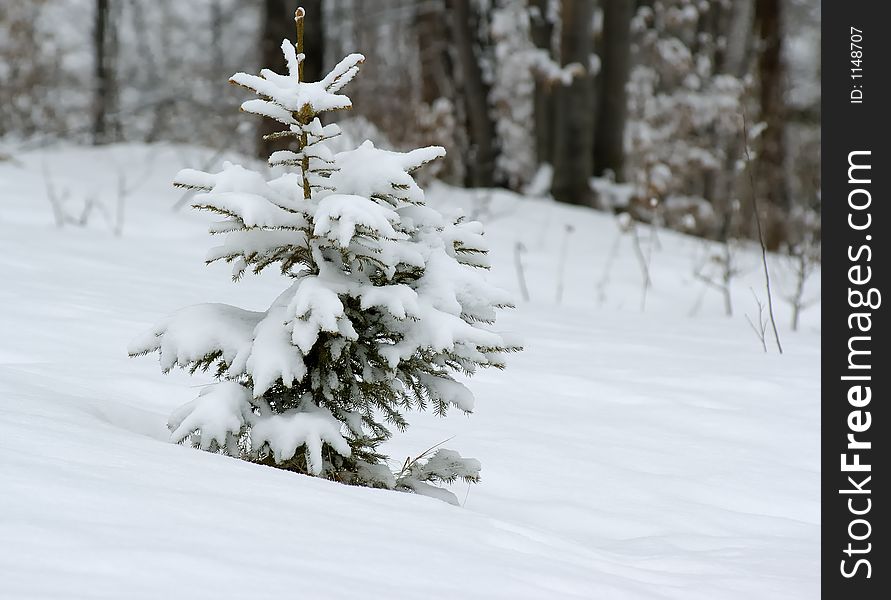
x,y
386,302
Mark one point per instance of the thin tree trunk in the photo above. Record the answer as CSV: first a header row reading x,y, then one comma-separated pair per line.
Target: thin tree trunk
x,y
104,47
480,127
738,48
574,104
278,24
612,107
771,158
542,31
721,185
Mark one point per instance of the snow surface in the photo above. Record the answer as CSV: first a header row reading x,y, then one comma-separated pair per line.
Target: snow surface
x,y
625,454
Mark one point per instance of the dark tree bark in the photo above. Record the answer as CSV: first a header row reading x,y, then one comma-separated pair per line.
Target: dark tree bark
x,y
313,40
437,71
574,108
106,126
437,83
722,185
542,30
770,165
710,27
612,105
480,127
738,45
278,24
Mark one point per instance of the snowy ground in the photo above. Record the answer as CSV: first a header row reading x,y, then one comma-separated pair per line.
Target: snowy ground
x,y
626,453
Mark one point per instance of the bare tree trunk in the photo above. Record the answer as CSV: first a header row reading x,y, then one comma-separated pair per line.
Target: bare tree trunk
x,y
722,185
542,30
772,155
437,76
105,123
738,46
612,107
480,127
278,24
574,104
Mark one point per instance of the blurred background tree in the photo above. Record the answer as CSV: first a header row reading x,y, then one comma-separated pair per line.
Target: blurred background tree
x,y
625,105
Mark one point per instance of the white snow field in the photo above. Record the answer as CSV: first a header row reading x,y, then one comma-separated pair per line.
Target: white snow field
x,y
626,453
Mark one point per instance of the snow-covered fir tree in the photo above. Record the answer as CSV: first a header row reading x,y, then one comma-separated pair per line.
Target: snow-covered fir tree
x,y
386,302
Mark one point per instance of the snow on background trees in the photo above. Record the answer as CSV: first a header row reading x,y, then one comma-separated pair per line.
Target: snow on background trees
x,y
506,86
626,451
664,112
388,300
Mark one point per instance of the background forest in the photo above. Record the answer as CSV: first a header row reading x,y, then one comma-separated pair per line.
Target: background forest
x,y
640,107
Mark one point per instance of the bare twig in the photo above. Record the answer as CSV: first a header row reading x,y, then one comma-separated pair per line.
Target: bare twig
x,y
519,250
124,192
56,200
804,263
91,203
607,267
761,329
655,242
773,322
696,305
482,206
728,271
409,461
644,265
561,267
